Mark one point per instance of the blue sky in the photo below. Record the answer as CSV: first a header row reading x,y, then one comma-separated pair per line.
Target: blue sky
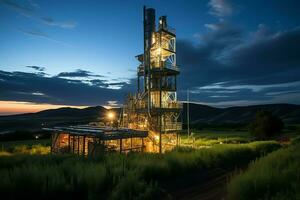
x,y
231,52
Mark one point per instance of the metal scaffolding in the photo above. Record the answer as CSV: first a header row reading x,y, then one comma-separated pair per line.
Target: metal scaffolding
x,y
155,107
93,141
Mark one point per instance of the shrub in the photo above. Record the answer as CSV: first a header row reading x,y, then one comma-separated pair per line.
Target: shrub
x,y
26,149
265,125
296,140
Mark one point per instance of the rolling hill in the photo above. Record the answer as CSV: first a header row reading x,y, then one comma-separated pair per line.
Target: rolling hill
x,y
52,117
199,114
289,113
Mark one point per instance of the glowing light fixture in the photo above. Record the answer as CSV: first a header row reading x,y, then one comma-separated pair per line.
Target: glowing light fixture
x,y
111,115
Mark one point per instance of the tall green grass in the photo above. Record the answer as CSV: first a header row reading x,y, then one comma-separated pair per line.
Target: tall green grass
x,y
276,176
7,145
114,176
25,147
208,138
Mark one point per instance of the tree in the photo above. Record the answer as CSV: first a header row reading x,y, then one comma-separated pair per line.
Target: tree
x,y
266,125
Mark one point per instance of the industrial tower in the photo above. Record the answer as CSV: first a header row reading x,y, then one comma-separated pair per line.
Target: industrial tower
x,y
154,107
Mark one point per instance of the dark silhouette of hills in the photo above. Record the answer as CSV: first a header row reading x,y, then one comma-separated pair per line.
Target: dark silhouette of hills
x,y
289,113
52,117
199,114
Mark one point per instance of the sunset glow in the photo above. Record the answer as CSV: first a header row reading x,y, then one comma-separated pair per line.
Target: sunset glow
x,y
18,107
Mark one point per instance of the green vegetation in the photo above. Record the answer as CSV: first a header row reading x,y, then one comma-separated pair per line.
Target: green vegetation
x,y
10,144
276,176
41,146
266,125
202,138
115,176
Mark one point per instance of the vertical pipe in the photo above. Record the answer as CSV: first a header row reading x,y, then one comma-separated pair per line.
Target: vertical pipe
x,y
73,143
69,147
188,113
121,145
144,60
138,82
78,140
83,149
51,151
160,115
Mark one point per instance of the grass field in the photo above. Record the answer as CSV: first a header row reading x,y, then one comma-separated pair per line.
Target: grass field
x,y
276,176
27,171
38,146
9,144
204,138
115,176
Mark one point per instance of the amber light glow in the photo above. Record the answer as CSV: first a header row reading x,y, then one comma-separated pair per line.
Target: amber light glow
x,y
110,115
17,107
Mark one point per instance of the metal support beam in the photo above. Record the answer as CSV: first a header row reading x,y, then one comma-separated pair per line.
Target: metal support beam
x,y
69,147
83,149
78,139
121,145
51,151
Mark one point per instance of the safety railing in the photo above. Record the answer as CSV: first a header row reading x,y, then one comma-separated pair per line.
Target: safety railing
x,y
167,105
169,126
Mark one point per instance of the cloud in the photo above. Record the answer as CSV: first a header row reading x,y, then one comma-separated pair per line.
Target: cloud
x,y
276,53
31,87
40,34
254,88
113,104
40,69
52,22
30,9
220,8
231,63
84,76
77,73
22,8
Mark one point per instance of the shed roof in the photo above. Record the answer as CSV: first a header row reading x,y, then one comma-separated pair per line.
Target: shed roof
x,y
104,133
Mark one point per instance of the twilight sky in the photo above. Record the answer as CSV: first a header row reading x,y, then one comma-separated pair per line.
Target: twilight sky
x,y
81,53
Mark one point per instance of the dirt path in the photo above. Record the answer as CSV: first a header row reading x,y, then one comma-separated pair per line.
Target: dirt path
x,y
208,186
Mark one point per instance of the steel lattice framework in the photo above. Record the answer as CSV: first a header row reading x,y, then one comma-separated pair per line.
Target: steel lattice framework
x,y
155,107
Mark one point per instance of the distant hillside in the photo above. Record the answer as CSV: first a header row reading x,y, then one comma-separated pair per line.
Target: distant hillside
x,y
199,114
289,113
53,117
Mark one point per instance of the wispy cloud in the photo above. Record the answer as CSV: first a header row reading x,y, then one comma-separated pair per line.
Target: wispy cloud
x,y
78,73
220,8
66,24
38,33
31,10
33,32
19,7
37,68
31,87
254,88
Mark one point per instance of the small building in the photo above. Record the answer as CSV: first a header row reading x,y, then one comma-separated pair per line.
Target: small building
x,y
89,140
